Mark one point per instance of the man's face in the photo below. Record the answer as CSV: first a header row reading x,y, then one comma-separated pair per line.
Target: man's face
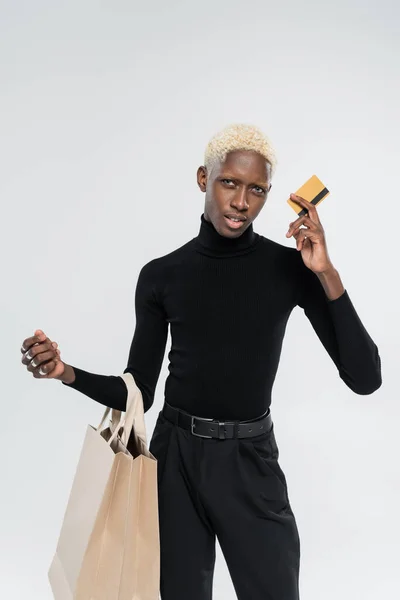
x,y
236,187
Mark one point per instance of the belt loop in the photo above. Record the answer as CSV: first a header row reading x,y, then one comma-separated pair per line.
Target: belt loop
x,y
221,430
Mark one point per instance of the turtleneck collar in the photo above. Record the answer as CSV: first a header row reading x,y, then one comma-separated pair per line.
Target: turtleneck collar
x,y
212,243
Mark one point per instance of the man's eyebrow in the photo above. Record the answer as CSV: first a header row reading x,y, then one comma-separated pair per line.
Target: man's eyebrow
x,y
264,184
228,176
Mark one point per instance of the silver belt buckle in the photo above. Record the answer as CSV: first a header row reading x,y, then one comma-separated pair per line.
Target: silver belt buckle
x,y
198,434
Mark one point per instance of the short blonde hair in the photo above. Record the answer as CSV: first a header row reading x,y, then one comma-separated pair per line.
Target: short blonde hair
x,y
239,137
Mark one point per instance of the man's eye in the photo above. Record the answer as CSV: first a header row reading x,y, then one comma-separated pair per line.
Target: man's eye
x,y
260,189
226,180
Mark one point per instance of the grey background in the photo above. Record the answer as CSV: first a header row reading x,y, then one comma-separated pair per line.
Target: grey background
x,y
106,108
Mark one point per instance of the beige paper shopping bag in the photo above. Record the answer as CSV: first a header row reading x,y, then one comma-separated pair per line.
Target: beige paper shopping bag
x,y
108,548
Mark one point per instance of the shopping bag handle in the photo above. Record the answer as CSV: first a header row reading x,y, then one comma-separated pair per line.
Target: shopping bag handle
x,y
133,417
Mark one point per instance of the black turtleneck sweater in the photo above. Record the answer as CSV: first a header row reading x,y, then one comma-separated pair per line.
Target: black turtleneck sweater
x,y
227,302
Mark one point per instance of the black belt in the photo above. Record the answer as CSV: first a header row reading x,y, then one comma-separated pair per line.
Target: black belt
x,y
212,428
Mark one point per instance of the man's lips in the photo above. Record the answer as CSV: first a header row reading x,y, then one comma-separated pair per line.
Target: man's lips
x,y
235,216
234,224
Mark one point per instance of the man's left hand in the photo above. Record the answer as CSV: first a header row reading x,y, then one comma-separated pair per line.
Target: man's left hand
x,y
310,239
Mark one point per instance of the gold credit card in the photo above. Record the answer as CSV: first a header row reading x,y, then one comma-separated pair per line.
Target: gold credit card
x,y
313,190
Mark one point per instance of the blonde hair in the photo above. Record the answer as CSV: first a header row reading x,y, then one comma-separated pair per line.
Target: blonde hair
x,y
239,137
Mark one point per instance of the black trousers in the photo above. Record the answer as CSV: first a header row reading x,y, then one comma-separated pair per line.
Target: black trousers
x,y
234,490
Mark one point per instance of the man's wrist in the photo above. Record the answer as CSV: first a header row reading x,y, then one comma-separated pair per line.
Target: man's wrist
x,y
331,282
68,376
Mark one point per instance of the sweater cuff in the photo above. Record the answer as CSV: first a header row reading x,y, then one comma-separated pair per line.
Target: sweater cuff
x,y
343,298
343,309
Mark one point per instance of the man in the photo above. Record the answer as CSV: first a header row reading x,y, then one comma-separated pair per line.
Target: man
x,y
227,295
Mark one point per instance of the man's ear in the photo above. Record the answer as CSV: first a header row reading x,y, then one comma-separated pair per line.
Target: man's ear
x,y
202,178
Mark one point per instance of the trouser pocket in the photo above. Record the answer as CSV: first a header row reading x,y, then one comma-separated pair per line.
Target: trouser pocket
x,y
160,442
264,452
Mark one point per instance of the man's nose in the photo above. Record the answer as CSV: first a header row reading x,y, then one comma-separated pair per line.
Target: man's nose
x,y
240,199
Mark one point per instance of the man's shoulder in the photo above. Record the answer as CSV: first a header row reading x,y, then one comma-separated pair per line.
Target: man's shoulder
x,y
285,259
165,262
269,245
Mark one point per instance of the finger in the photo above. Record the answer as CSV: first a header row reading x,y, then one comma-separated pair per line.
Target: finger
x,y
309,222
43,370
296,234
311,208
41,335
37,338
294,224
300,200
312,234
35,350
30,341
308,229
32,352
41,358
302,237
304,220
314,237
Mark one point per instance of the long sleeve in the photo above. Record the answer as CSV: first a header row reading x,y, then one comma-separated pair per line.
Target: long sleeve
x,y
146,352
342,333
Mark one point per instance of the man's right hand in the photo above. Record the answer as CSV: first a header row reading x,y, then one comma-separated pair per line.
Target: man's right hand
x,y
42,357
